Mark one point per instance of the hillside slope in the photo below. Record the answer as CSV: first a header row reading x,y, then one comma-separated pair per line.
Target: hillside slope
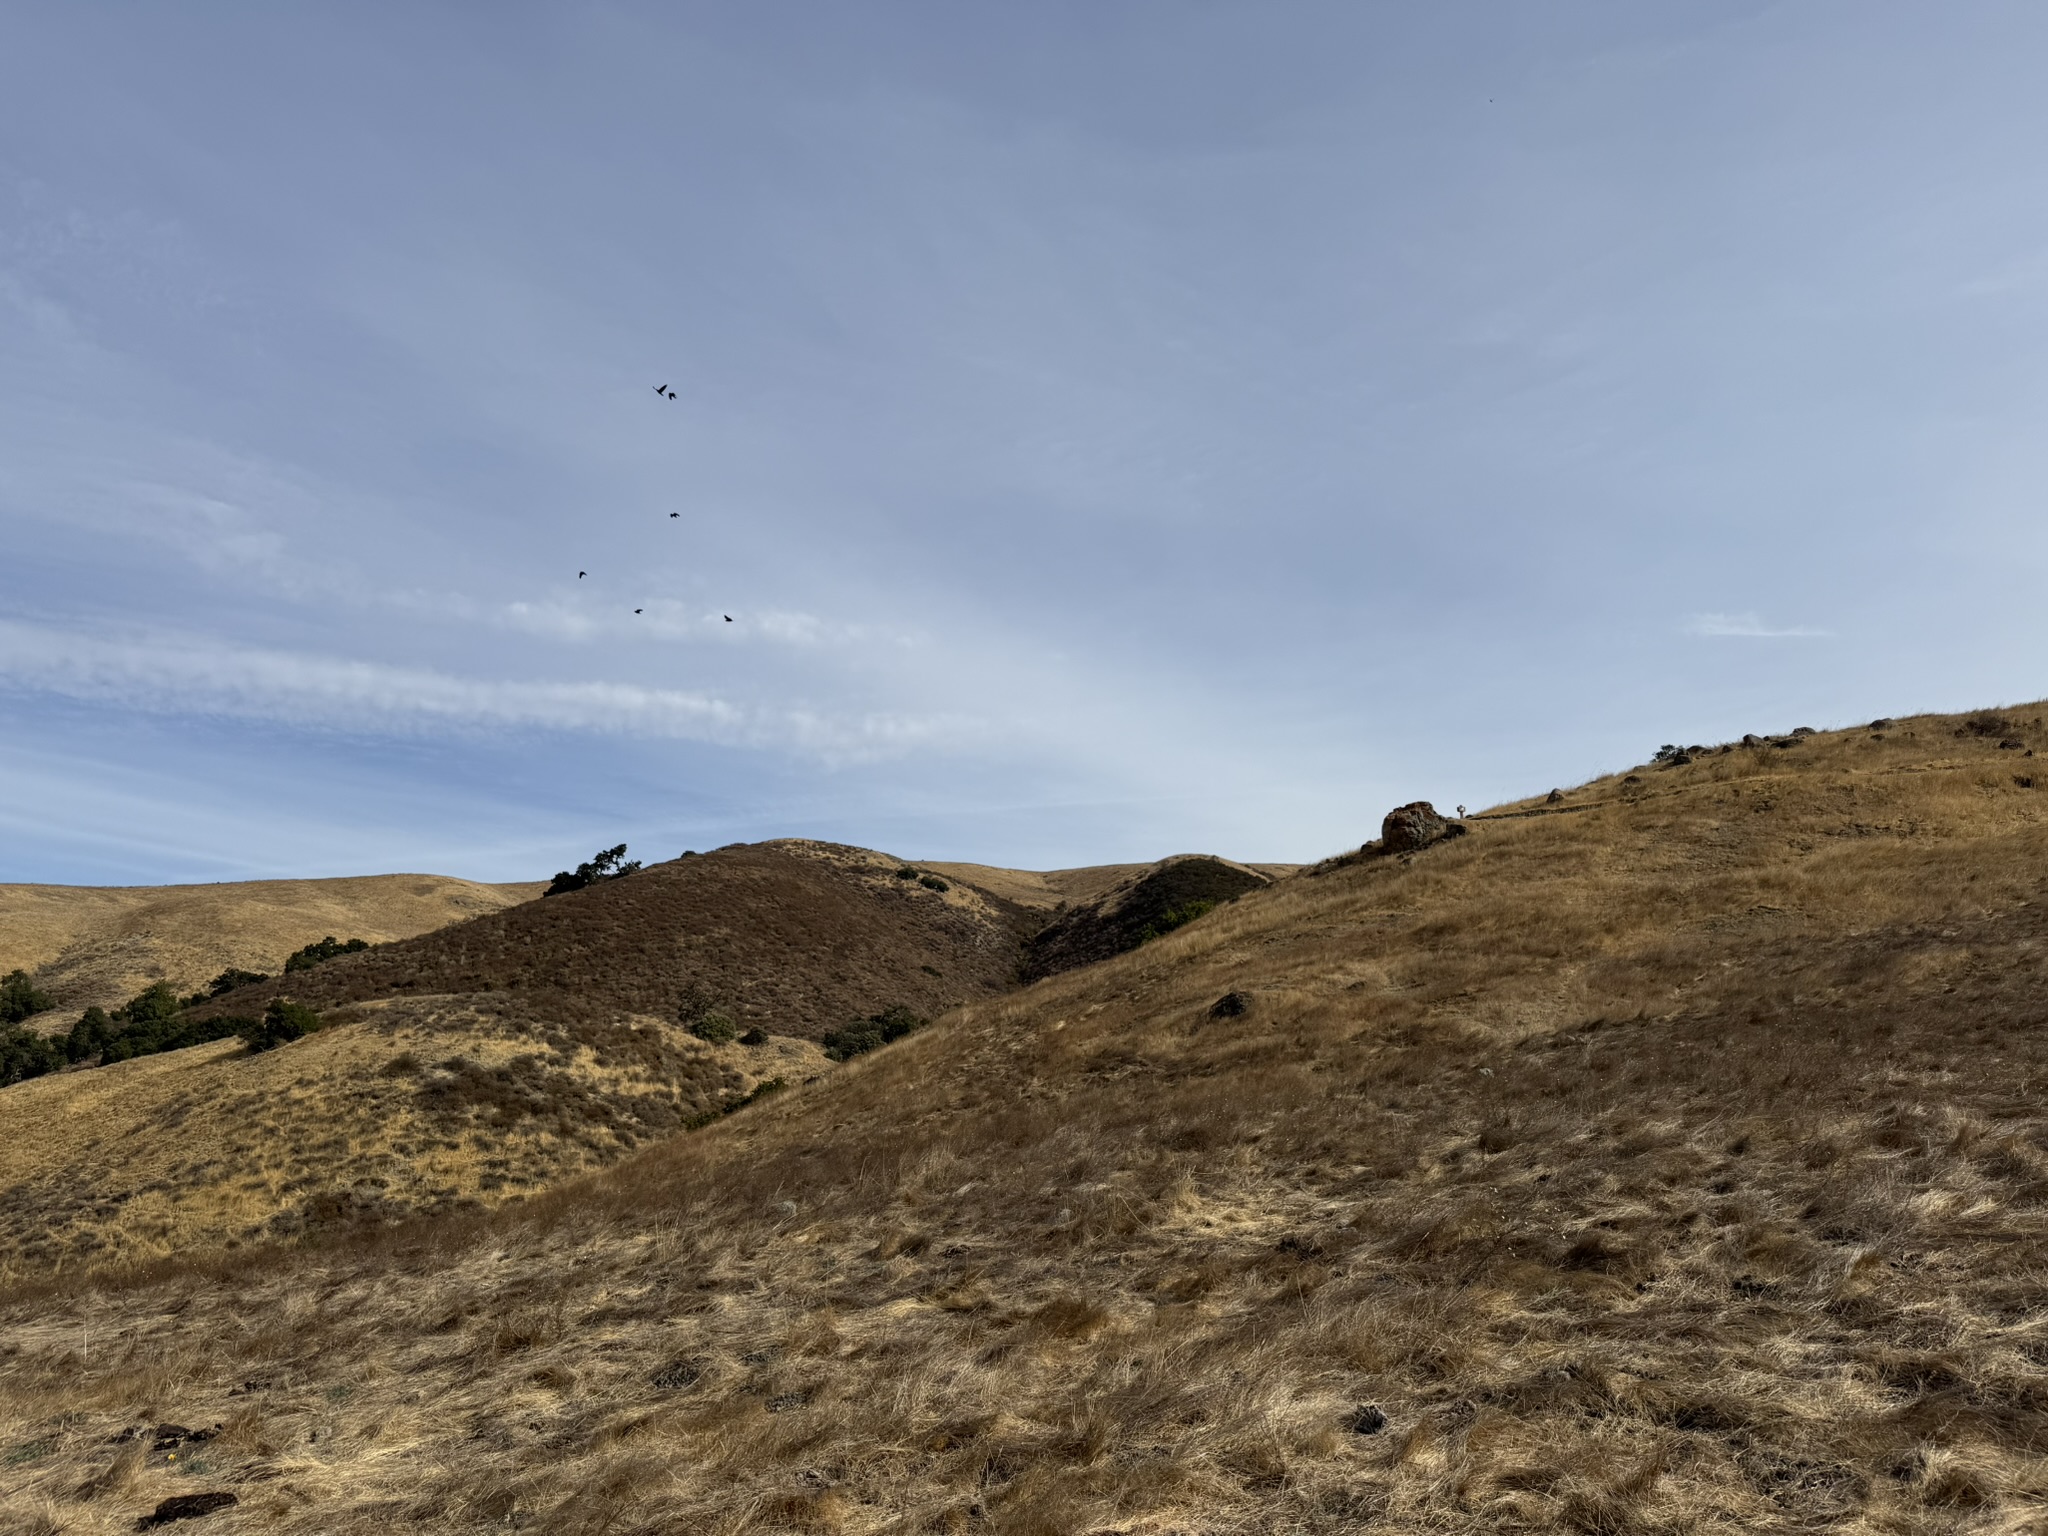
x,y
103,944
483,1061
795,936
1667,1159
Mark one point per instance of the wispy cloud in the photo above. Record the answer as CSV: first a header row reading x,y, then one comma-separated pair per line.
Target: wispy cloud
x,y
1749,626
173,674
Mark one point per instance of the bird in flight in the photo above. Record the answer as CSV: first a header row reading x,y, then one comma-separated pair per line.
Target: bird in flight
x,y
636,610
728,618
581,574
675,514
661,389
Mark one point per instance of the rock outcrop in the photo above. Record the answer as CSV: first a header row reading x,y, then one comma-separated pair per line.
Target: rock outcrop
x,y
1416,825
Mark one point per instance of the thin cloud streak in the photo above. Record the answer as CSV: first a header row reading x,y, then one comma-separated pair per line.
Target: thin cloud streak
x,y
179,675
1749,626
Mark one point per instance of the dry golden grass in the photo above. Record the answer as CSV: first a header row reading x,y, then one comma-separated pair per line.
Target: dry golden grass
x,y
104,944
1673,1161
404,1106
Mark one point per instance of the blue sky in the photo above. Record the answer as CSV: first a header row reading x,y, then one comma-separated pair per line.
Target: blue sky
x,y
1114,429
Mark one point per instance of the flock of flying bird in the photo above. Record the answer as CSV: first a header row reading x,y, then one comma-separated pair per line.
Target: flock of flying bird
x,y
667,394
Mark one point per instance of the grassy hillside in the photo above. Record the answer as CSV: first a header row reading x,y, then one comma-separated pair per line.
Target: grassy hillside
x,y
483,1061
416,1104
103,944
1667,1159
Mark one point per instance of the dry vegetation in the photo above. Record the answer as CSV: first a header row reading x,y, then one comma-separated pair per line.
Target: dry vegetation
x,y
428,1104
795,936
103,944
1668,1160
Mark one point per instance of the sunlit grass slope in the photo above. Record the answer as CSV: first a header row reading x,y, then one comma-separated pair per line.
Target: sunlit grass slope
x,y
1669,1159
103,944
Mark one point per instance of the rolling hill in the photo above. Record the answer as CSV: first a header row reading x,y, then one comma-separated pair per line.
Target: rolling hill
x,y
102,944
483,1061
1665,1155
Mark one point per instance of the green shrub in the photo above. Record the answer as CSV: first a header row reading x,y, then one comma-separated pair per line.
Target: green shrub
x,y
907,872
312,955
610,864
232,978
933,883
872,1033
25,1054
150,1022
715,1025
282,1023
755,1036
19,998
1174,917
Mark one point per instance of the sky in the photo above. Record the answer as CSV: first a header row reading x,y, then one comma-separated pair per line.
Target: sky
x,y
1113,429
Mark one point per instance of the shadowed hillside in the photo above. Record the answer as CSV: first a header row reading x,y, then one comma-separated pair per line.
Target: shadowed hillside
x,y
1155,900
796,937
1667,1158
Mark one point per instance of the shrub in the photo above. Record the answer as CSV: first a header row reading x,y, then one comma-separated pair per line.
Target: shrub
x,y
25,1054
933,883
19,998
872,1033
907,872
755,1036
716,1026
150,1022
610,864
282,1023
232,977
312,955
1175,917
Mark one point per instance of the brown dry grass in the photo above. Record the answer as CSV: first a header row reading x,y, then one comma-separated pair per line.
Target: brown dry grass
x,y
796,936
414,1105
104,944
1672,1164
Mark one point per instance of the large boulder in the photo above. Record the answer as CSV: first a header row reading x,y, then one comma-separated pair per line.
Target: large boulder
x,y
1417,825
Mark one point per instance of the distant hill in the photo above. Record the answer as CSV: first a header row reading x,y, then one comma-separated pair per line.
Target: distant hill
x,y
103,944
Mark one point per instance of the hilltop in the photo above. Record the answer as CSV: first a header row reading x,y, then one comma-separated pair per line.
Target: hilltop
x,y
794,936
1660,1156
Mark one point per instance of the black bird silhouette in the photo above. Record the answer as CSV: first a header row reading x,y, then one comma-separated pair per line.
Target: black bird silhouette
x,y
728,618
581,574
675,514
636,610
671,394
661,389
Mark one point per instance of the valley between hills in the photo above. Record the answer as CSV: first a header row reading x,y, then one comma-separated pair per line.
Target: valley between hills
x,y
1660,1154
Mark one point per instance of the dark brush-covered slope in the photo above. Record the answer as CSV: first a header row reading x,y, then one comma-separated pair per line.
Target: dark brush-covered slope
x,y
795,937
1158,900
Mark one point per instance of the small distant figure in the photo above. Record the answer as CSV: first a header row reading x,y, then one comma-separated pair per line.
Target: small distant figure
x,y
1461,810
675,514
661,389
728,618
581,574
637,610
